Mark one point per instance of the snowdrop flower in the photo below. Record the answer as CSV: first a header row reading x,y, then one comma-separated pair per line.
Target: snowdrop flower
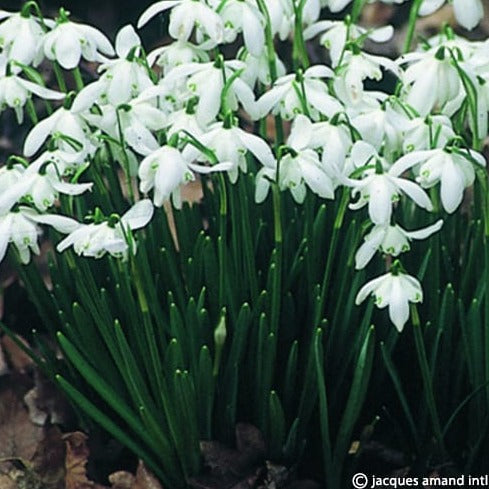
x,y
432,79
283,98
71,132
423,133
453,169
21,229
301,166
67,42
335,35
396,290
230,144
391,240
21,37
184,119
258,69
165,170
207,81
111,236
15,91
123,78
243,16
379,189
281,14
185,15
46,183
467,12
175,54
357,67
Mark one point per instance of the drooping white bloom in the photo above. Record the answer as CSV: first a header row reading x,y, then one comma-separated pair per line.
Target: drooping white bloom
x,y
68,41
123,78
467,12
379,189
258,69
423,133
391,240
395,290
453,169
21,37
165,170
112,236
175,54
356,68
15,91
243,16
335,35
21,229
70,131
185,15
431,78
284,98
207,81
230,144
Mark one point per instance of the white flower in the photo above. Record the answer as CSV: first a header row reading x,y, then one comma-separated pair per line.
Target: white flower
x,y
21,229
21,37
395,290
258,68
379,188
337,33
284,97
123,78
185,15
423,133
15,91
453,169
243,16
70,131
432,80
467,12
230,145
354,69
112,236
69,41
165,170
302,165
281,14
391,240
175,54
207,81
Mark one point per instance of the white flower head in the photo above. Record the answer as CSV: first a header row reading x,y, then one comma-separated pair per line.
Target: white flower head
x,y
68,42
111,236
390,239
396,290
467,12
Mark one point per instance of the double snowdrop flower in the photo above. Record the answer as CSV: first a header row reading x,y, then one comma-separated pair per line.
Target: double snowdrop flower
x,y
335,34
230,144
207,81
67,42
380,189
396,290
21,37
453,169
113,236
300,93
15,91
165,170
391,240
185,15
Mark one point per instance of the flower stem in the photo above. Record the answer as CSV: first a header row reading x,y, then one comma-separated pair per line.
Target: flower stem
x,y
78,78
299,54
60,77
127,169
413,17
357,10
223,211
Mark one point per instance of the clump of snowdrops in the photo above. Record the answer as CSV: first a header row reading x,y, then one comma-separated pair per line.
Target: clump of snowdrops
x,y
321,187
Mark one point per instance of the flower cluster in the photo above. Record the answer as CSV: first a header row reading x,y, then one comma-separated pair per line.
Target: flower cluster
x,y
175,113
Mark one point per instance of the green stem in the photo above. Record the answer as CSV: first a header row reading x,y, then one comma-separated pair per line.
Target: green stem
x,y
59,77
331,254
127,169
78,79
277,277
31,111
413,17
299,54
427,380
223,211
357,10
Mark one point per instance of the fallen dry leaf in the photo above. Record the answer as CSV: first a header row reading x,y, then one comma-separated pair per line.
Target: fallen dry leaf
x,y
18,359
77,453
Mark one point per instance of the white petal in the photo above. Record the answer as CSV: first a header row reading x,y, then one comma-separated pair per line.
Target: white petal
x,y
383,34
155,9
5,224
362,153
452,186
319,71
424,232
415,193
139,214
68,50
371,244
258,147
398,305
409,160
429,6
370,287
39,133
88,95
40,91
62,224
468,12
126,39
301,133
